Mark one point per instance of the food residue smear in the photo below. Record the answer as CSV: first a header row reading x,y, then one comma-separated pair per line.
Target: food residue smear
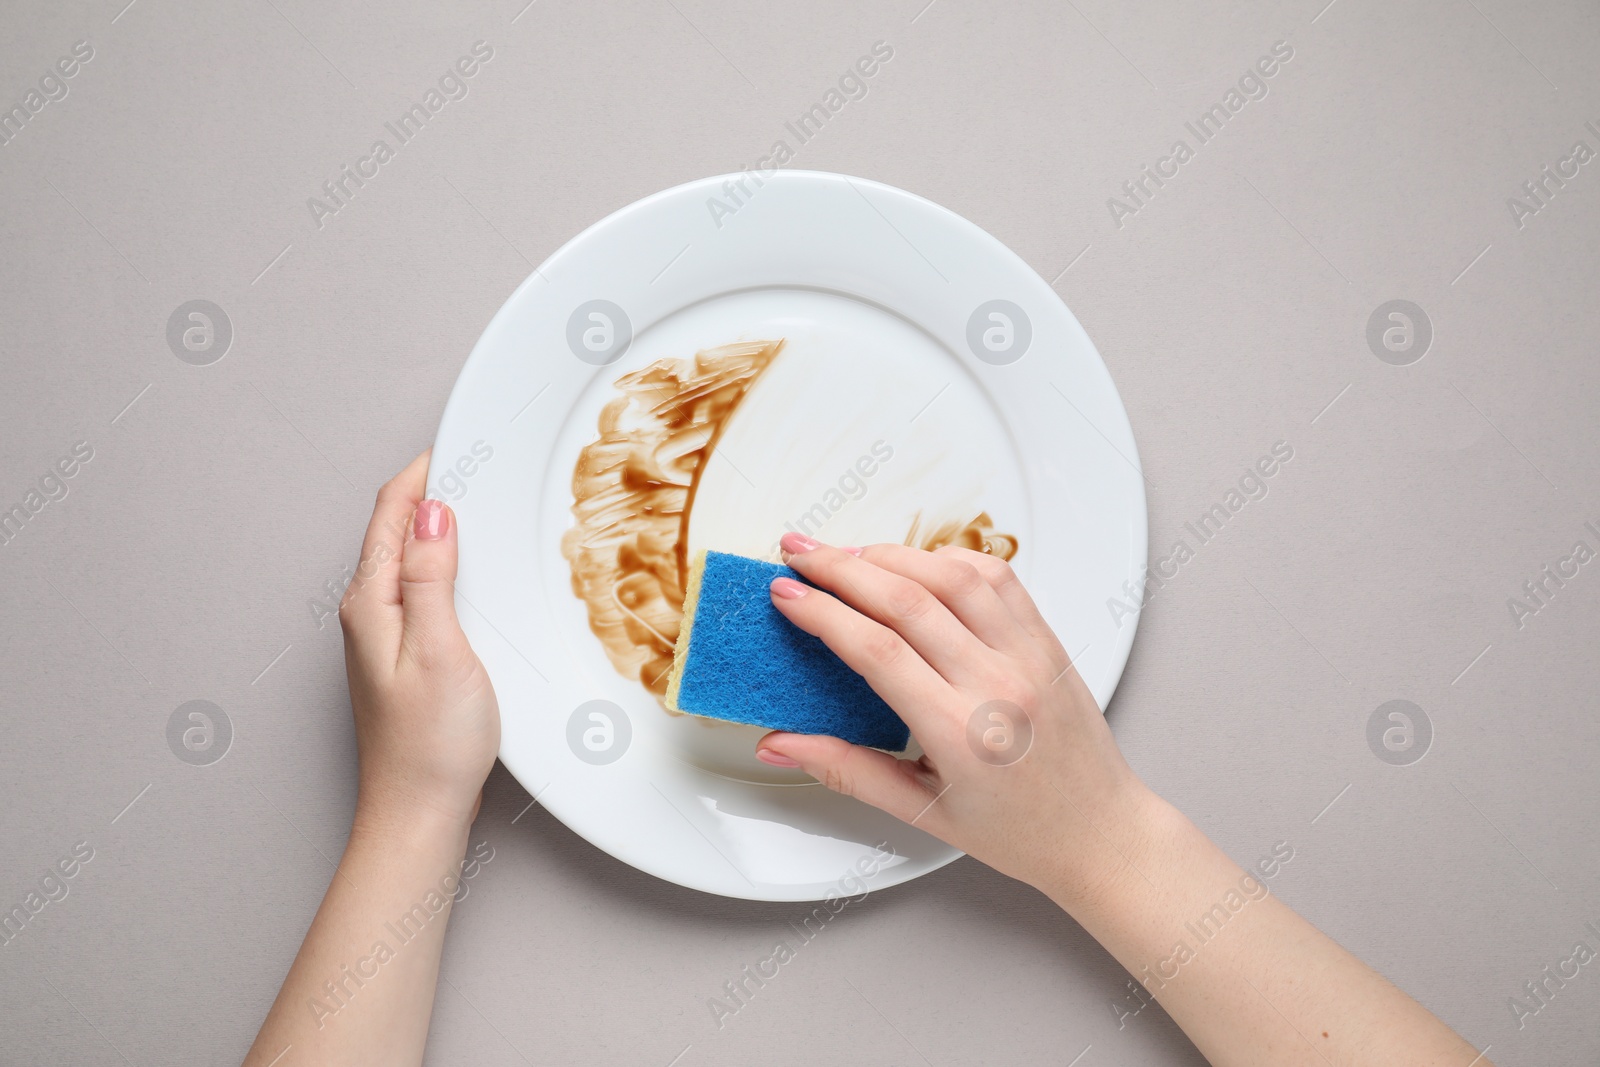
x,y
633,492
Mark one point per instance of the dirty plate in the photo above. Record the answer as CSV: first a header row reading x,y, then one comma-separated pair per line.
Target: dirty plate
x,y
706,368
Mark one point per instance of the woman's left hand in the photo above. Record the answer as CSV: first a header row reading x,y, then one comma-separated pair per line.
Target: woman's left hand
x,y
427,722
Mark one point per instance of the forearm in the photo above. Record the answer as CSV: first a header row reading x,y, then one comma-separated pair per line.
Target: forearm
x,y
361,989
1247,979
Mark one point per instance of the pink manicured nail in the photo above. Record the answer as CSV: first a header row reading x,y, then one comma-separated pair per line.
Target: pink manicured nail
x,y
795,543
852,549
432,520
788,588
777,759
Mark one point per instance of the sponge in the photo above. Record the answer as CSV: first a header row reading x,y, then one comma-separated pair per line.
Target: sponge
x,y
738,659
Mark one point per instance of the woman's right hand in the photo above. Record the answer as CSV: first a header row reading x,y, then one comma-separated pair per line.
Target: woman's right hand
x,y
1019,768
955,645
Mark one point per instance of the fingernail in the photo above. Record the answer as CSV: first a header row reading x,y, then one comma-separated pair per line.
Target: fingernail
x,y
777,759
432,520
788,588
852,549
797,542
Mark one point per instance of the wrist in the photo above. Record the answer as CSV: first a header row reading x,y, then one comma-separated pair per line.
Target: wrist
x,y
1109,847
392,814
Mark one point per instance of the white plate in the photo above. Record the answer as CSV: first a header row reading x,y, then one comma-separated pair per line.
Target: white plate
x,y
884,301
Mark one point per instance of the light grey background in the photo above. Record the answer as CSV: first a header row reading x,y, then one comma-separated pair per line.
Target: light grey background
x,y
1231,309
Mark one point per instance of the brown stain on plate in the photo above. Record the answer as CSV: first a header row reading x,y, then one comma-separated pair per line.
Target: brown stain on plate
x,y
977,534
633,492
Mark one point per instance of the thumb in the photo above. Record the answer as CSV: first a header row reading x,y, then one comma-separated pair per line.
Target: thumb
x,y
428,577
870,776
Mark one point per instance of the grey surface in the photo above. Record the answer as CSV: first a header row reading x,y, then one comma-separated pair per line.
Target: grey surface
x,y
1232,310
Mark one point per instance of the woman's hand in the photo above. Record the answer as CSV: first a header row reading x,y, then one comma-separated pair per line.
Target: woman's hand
x,y
428,728
427,723
1020,769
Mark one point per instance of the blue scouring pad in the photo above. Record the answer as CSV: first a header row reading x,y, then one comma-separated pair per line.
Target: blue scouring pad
x,y
739,660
